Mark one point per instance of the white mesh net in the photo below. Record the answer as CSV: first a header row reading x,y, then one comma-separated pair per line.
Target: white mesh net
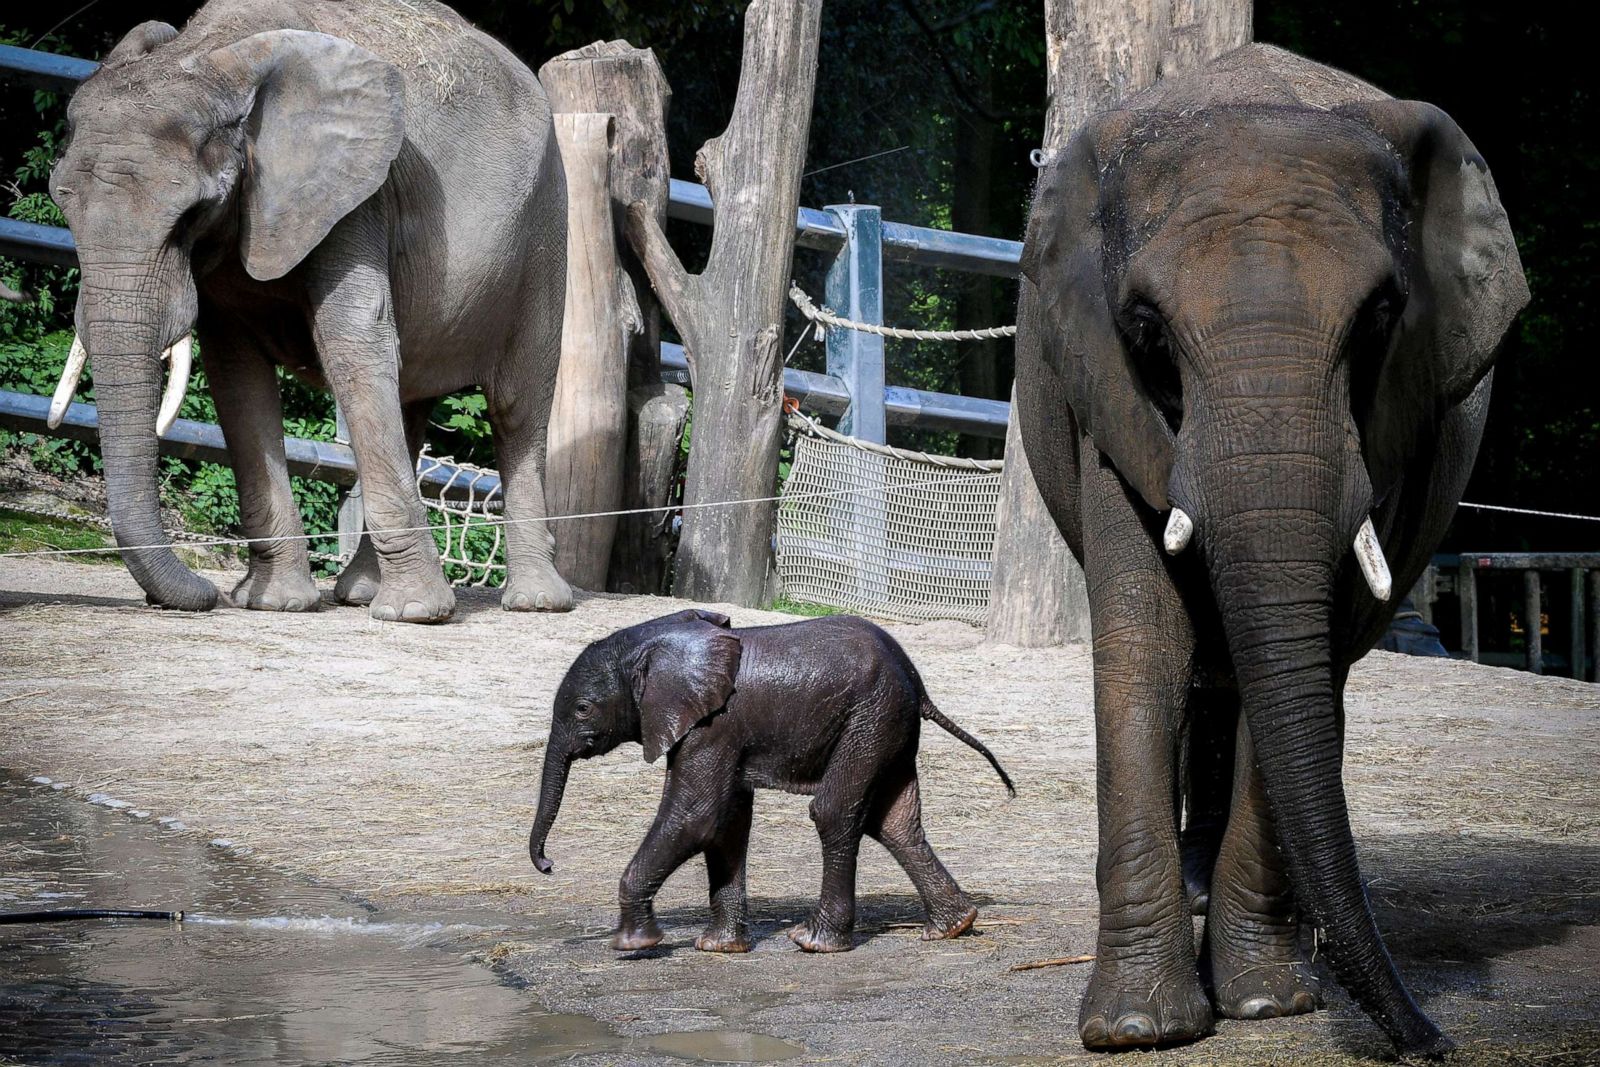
x,y
470,546
918,549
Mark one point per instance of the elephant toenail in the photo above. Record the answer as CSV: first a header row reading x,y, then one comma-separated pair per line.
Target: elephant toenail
x,y
1094,1032
1304,1002
517,601
542,601
1136,1028
1260,1008
292,605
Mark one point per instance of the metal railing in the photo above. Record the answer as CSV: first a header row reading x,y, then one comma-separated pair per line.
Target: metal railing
x,y
853,389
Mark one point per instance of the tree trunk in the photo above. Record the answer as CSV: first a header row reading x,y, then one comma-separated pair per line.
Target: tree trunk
x,y
731,315
615,78
1099,52
588,416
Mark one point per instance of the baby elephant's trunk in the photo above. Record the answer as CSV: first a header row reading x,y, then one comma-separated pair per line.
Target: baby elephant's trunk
x,y
557,762
932,713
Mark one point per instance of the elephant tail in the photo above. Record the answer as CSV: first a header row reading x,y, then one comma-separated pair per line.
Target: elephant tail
x,y
934,714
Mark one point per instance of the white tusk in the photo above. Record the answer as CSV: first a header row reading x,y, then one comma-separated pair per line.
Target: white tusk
x,y
76,359
1179,529
182,357
1373,566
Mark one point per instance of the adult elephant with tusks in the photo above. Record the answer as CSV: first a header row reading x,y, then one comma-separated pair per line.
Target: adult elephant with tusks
x,y
1259,309
367,194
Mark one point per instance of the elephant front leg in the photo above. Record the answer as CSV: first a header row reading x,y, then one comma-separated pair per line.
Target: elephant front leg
x,y
353,323
729,930
362,576
1145,989
1252,942
694,803
244,386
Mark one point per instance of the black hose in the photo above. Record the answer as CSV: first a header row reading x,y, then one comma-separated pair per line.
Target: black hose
x,y
65,915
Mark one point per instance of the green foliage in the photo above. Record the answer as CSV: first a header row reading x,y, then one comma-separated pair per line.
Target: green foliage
x,y
20,532
803,607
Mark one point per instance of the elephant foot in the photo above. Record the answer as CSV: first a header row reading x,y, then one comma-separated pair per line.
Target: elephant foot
x,y
264,590
720,938
1266,982
936,932
544,590
1129,1005
1199,852
431,601
812,936
634,938
360,581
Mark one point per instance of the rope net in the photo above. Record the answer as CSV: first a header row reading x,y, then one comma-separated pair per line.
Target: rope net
x,y
919,549
471,547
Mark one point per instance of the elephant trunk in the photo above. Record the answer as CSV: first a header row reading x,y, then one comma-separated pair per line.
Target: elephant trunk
x,y
125,336
1277,513
557,763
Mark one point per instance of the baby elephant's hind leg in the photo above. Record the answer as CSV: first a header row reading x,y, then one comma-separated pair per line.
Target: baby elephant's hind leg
x,y
898,826
725,862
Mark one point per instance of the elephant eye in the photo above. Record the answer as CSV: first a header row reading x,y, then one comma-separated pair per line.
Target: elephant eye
x,y
1150,346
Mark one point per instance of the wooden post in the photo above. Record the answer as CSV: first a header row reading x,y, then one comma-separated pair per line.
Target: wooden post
x,y
1099,52
588,417
1577,638
1532,611
643,548
1594,625
731,315
1467,593
615,78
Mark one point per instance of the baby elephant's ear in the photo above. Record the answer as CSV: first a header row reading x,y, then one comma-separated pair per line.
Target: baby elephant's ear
x,y
679,677
715,618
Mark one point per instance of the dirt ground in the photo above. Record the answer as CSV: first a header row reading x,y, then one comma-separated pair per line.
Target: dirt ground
x,y
399,764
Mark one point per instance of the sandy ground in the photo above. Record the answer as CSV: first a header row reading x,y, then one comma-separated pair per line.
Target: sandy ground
x,y
399,763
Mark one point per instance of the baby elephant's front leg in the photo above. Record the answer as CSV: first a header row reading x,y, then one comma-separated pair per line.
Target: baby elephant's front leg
x,y
686,822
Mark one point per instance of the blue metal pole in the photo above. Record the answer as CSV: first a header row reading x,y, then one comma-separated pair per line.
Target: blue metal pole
x,y
855,290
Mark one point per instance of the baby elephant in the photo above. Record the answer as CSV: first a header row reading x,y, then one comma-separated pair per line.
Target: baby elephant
x,y
827,707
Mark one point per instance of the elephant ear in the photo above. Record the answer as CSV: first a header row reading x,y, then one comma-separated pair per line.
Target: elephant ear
x,y
679,677
325,119
1063,259
140,42
1463,274
715,618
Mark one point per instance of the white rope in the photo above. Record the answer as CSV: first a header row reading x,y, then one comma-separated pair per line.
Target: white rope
x,y
827,317
221,541
805,424
1526,511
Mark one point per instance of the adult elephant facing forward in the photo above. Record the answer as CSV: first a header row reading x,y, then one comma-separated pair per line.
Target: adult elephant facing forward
x,y
1259,309
365,193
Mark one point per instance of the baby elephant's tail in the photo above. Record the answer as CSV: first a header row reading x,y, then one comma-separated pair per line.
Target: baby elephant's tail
x,y
933,713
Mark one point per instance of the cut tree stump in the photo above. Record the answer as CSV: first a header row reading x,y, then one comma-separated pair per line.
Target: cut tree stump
x,y
1099,52
643,549
615,78
731,315
588,417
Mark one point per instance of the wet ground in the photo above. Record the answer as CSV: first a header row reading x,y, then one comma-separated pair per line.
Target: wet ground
x,y
398,765
263,969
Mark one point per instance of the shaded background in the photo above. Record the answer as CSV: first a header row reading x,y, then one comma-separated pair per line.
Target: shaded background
x,y
946,98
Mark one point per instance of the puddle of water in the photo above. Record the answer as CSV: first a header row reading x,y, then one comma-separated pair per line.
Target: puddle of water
x,y
263,970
